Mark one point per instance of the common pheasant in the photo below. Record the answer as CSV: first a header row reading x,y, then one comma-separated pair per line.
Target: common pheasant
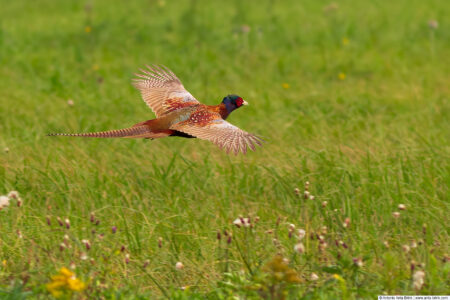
x,y
178,113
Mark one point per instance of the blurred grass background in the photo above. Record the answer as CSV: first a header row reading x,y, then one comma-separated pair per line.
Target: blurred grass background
x,y
352,96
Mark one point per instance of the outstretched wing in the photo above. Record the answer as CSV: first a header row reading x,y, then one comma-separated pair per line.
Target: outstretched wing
x,y
162,90
210,126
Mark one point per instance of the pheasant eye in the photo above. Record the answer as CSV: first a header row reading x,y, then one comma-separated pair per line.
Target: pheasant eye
x,y
239,102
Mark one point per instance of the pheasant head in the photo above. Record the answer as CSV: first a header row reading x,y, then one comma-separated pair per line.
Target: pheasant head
x,y
233,102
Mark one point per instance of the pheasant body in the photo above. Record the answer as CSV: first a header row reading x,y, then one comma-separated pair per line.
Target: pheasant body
x,y
180,114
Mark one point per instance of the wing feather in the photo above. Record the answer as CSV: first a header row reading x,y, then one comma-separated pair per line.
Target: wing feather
x,y
162,90
220,132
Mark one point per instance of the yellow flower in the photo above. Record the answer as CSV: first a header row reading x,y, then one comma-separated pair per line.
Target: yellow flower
x,y
87,29
285,85
64,282
341,76
338,277
345,41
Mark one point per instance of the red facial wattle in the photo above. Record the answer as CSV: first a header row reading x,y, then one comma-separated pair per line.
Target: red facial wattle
x,y
239,102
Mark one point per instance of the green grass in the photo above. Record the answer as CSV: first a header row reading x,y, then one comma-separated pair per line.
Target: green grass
x,y
367,143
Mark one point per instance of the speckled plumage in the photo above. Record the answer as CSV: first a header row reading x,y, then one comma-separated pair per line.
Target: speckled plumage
x,y
178,113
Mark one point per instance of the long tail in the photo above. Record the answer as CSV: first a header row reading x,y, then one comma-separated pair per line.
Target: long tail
x,y
132,132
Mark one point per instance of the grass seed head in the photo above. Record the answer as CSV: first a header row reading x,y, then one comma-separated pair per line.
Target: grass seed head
x,y
87,244
70,102
127,258
396,214
146,263
114,229
314,277
160,240
401,207
67,223
324,203
6,149
291,229
297,191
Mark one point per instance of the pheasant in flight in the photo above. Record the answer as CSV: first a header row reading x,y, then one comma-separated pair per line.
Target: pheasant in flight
x,y
178,113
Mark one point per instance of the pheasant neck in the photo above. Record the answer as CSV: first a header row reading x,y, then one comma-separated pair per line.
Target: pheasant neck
x,y
221,109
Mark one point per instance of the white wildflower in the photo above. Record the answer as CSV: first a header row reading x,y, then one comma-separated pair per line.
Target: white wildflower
x,y
301,234
179,265
406,248
300,248
245,222
4,201
418,279
13,195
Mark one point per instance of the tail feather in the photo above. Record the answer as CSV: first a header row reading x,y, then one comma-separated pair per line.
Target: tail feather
x,y
132,132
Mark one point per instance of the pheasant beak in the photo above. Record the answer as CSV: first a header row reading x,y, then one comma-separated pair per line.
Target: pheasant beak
x,y
245,103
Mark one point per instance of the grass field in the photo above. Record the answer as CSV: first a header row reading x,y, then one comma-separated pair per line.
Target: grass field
x,y
352,96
